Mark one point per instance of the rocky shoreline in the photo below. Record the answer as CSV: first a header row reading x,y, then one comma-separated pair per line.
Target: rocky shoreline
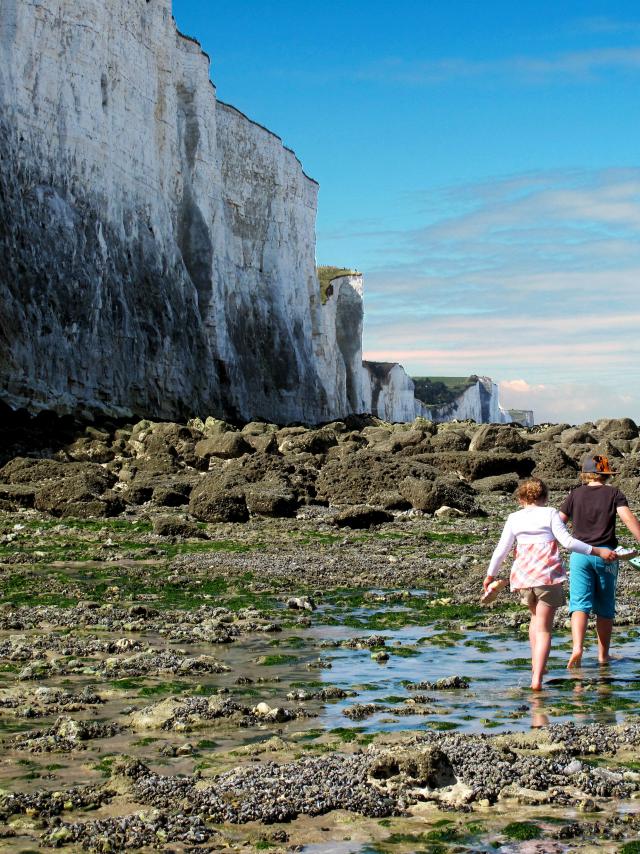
x,y
185,609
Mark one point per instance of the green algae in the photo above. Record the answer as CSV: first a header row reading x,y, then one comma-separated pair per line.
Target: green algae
x,y
276,659
522,831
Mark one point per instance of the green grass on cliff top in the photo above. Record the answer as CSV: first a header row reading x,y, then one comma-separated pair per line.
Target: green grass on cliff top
x,y
326,274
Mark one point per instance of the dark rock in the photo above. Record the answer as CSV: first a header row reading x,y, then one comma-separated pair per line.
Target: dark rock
x,y
18,494
577,435
449,491
506,483
361,516
451,440
82,491
211,504
310,442
268,499
473,466
425,766
225,446
359,477
490,437
618,428
170,526
553,462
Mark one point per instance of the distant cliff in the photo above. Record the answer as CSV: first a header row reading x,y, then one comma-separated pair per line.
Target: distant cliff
x,y
157,247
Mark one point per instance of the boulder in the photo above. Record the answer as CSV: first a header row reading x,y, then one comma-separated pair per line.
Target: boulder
x,y
618,428
429,496
309,442
473,466
451,440
361,516
172,526
224,446
577,435
17,495
505,483
81,493
491,437
553,462
210,503
267,498
356,478
424,767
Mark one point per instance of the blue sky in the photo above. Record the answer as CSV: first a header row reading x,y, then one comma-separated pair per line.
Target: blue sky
x,y
479,162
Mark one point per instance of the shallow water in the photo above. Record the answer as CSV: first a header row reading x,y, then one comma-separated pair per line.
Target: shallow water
x,y
498,698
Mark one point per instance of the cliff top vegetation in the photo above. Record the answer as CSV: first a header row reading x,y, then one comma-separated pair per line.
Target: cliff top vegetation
x,y
437,391
326,274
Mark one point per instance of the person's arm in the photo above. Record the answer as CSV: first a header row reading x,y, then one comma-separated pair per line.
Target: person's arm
x,y
505,544
559,531
627,516
565,539
563,517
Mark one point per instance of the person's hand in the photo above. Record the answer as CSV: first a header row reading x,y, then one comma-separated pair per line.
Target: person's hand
x,y
606,554
488,580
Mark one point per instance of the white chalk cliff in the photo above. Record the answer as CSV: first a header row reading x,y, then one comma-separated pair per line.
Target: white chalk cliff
x,y
157,247
479,402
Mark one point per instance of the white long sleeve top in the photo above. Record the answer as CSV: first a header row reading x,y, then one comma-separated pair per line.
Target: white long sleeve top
x,y
535,528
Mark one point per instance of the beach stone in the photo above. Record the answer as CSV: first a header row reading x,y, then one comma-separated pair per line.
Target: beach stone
x,y
361,516
309,442
170,526
224,446
270,499
301,603
505,483
490,437
446,512
425,766
522,795
618,428
429,495
210,503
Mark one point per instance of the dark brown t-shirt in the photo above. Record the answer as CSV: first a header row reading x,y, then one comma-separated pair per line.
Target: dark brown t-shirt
x,y
592,510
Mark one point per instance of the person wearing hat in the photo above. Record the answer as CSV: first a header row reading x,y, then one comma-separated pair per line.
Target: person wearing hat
x,y
593,508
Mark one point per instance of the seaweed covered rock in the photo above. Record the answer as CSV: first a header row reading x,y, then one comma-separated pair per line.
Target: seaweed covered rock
x,y
362,476
490,437
449,491
361,516
211,503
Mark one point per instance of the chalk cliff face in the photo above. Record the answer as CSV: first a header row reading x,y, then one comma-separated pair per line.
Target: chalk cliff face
x,y
389,392
157,248
480,402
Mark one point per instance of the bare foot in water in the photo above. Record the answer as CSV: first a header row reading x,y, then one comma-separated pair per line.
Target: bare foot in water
x,y
536,685
606,660
576,659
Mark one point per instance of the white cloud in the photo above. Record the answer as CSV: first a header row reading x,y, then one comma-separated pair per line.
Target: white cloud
x,y
581,64
533,276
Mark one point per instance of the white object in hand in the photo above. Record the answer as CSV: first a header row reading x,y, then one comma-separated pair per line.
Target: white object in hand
x,y
625,554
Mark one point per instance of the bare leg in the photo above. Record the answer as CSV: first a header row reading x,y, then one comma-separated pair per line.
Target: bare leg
x,y
579,620
542,643
604,628
532,629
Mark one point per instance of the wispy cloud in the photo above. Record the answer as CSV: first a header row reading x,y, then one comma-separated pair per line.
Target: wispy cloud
x,y
579,64
604,25
534,275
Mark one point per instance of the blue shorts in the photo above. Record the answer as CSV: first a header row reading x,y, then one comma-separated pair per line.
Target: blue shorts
x,y
592,585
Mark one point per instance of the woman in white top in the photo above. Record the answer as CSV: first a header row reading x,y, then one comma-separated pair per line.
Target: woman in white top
x,y
537,570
